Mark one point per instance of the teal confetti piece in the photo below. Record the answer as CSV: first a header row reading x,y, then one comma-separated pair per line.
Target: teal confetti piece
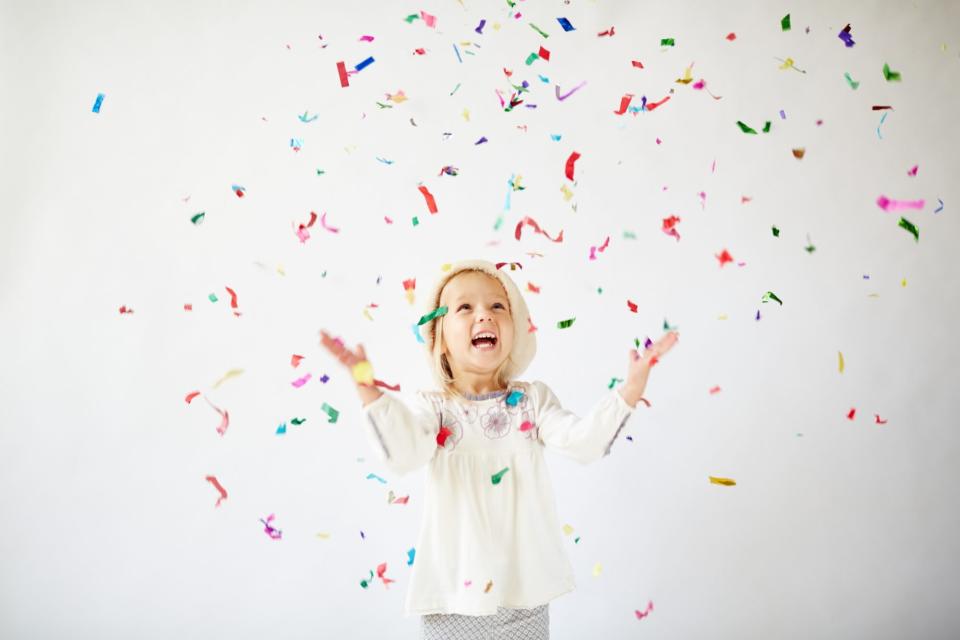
x,y
415,221
373,476
330,411
498,476
98,102
555,136
439,311
614,381
198,218
212,297
298,421
410,555
531,58
629,235
853,83
514,398
416,333
282,429
413,16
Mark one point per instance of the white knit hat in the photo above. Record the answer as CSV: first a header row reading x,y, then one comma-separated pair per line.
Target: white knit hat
x,y
524,341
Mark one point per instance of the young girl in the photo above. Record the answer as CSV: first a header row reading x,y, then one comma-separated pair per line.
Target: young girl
x,y
490,554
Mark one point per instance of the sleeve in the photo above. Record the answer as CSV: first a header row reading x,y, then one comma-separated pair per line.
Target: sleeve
x,y
585,439
402,437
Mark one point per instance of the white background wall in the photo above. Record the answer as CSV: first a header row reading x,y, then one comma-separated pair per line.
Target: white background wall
x,y
835,528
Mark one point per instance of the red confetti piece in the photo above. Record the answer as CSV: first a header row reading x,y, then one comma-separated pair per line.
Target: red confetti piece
x,y
724,257
431,203
632,306
382,570
342,70
569,169
608,32
731,36
533,223
301,229
851,413
410,284
188,307
532,287
653,105
381,383
233,297
295,360
543,53
714,390
878,420
526,426
531,328
442,436
223,492
508,72
191,396
637,64
419,52
624,103
670,227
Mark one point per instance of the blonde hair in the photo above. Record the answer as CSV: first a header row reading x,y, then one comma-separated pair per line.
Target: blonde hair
x,y
441,365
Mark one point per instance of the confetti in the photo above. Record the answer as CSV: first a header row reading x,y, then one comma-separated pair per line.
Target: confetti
x,y
565,24
365,582
381,573
940,208
846,37
569,166
632,306
442,435
323,223
608,32
597,570
851,413
853,84
565,324
239,190
232,373
275,534
724,481
282,429
785,23
191,396
304,118
364,64
299,382
514,398
889,75
216,484
643,614
913,170
731,36
342,71
533,223
330,411
770,295
624,103
98,102
840,361
887,204
526,426
198,218
798,153
373,476
410,556
568,93
439,311
431,203
594,250
909,226
746,129
539,30
669,227
295,360
479,28
495,478
124,309
667,42
429,20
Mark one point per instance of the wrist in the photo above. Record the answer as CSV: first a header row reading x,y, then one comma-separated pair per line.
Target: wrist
x,y
630,394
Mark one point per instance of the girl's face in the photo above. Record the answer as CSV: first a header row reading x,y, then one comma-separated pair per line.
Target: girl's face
x,y
477,308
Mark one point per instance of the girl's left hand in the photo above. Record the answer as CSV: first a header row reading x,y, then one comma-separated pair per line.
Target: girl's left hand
x,y
640,365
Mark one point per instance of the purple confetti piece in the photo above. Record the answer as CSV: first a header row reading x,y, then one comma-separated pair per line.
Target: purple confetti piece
x,y
568,93
479,28
324,378
783,116
480,141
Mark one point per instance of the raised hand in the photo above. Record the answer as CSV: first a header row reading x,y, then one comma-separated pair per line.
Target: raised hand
x,y
640,364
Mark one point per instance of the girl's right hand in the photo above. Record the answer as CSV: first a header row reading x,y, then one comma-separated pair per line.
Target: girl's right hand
x,y
336,347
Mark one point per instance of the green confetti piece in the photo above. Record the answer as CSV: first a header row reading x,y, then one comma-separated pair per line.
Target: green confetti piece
x,y
853,83
330,411
539,30
576,540
415,221
629,235
785,23
909,226
439,311
212,297
743,127
766,127
320,172
298,421
667,327
667,42
636,343
614,381
367,581
495,478
413,16
455,89
891,76
531,58
198,218
497,224
599,290
776,232
770,295
565,324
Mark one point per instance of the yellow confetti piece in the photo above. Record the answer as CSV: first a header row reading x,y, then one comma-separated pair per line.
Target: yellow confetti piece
x,y
397,97
725,481
363,372
323,536
903,282
367,314
597,570
280,270
567,194
488,587
496,27
446,266
409,293
722,316
567,529
466,114
233,373
840,355
687,77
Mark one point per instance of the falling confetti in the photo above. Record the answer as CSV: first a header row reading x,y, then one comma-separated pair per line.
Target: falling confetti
x,y
216,484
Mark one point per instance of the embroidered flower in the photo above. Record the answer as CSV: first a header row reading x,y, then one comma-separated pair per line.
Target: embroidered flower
x,y
496,422
470,412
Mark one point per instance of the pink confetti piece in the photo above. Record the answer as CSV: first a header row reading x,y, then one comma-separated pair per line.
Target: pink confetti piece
x,y
323,223
274,533
381,573
224,417
429,20
533,223
366,38
642,614
223,492
887,204
913,171
299,382
568,93
594,250
526,426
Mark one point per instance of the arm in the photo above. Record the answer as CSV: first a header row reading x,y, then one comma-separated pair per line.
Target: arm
x,y
585,439
402,437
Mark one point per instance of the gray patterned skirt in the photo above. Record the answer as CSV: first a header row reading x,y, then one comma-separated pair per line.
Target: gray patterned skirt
x,y
519,624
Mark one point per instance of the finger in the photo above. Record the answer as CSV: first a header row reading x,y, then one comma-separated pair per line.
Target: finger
x,y
361,352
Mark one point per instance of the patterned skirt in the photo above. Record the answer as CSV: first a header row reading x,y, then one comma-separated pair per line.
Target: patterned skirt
x,y
515,624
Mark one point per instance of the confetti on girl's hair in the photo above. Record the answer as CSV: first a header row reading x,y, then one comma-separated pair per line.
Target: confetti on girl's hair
x,y
770,295
533,223
565,324
439,311
890,75
276,534
198,218
299,382
232,373
667,42
909,226
632,306
940,208
643,614
853,83
295,360
568,93
568,171
495,478
624,103
594,250
724,481
785,23
913,170
330,411
887,204
411,554
798,153
846,37
431,203
731,36
216,484
239,190
98,102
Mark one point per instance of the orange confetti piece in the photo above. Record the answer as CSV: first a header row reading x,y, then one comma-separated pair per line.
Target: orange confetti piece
x,y
223,492
431,203
191,396
295,360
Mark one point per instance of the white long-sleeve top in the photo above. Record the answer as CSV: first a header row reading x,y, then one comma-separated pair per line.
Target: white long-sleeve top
x,y
475,532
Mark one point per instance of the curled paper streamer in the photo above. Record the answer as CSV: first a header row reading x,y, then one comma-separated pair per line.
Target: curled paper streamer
x,y
276,534
431,203
527,220
887,204
216,484
568,93
439,311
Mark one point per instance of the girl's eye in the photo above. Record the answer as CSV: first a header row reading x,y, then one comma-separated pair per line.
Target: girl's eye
x,y
498,305
462,306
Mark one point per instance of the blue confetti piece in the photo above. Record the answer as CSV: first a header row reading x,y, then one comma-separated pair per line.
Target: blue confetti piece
x,y
940,208
457,51
373,476
416,332
282,429
514,398
565,24
98,102
543,79
410,555
555,137
366,63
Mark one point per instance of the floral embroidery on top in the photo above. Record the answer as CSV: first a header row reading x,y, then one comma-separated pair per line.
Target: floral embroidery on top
x,y
495,422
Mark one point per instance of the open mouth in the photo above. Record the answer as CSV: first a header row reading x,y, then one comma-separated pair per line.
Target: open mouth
x,y
484,342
